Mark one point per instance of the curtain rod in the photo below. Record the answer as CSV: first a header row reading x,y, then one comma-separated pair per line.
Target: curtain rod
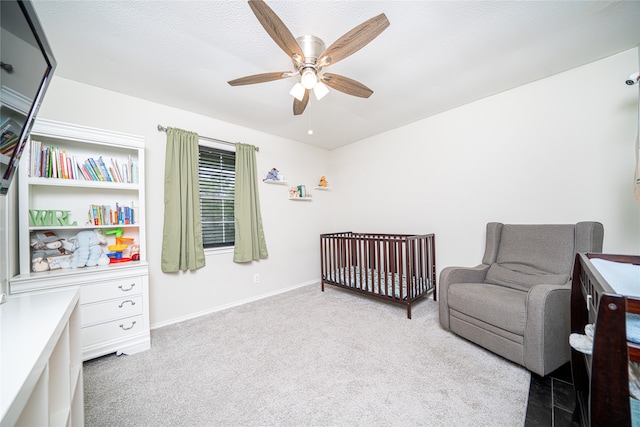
x,y
219,141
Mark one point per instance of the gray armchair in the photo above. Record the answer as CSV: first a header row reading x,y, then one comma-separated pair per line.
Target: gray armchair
x,y
517,302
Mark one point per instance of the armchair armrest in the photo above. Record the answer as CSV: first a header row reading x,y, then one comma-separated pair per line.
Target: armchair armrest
x,y
475,274
451,275
550,304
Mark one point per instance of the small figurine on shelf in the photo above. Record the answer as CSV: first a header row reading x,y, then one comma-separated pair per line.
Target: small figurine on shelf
x,y
294,191
273,175
323,182
134,252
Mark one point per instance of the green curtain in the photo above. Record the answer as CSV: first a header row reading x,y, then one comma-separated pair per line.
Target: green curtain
x,y
182,234
249,242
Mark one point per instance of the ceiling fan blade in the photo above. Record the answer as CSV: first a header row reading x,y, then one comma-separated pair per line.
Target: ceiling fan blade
x,y
260,78
299,106
354,40
276,29
346,85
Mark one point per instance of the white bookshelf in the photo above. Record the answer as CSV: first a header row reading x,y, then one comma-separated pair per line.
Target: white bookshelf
x,y
40,193
77,195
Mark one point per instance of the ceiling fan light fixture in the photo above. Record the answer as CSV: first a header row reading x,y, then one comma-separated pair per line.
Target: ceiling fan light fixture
x,y
308,78
320,90
297,91
309,56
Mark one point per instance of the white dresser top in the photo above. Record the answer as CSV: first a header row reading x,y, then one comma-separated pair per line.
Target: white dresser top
x,y
30,326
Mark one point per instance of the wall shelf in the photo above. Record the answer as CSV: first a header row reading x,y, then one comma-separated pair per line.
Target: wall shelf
x,y
301,199
270,181
322,188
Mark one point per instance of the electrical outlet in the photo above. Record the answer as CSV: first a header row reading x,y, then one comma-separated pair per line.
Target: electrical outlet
x,y
256,278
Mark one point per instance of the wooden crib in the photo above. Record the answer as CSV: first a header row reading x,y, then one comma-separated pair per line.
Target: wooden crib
x,y
395,267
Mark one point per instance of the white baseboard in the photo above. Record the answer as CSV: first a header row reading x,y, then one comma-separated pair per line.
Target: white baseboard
x,y
231,305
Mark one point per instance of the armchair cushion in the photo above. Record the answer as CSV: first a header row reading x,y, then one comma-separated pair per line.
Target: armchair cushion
x,y
530,255
496,305
522,280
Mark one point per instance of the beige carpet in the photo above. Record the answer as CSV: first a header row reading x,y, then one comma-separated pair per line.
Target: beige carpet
x,y
307,358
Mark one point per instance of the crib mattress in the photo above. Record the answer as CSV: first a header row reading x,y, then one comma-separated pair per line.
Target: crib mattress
x,y
371,280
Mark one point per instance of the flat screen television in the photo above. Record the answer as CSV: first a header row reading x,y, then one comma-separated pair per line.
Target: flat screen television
x,y
26,68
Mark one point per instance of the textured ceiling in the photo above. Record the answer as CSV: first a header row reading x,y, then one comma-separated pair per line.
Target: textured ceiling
x,y
435,55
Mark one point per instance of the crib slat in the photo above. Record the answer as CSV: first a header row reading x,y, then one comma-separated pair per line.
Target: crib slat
x,y
382,256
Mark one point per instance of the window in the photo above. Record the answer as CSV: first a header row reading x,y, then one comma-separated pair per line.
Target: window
x,y
217,176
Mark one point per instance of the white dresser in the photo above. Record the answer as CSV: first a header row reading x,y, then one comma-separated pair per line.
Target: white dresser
x,y
113,305
40,360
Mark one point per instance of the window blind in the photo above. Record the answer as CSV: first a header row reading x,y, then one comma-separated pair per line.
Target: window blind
x,y
217,176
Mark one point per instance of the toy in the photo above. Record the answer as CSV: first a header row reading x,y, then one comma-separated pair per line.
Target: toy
x,y
119,250
323,182
272,175
294,192
59,261
39,261
118,232
45,240
134,252
47,246
88,250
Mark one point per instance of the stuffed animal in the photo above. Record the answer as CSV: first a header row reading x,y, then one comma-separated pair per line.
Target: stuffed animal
x,y
272,175
39,262
88,250
46,244
323,182
45,240
294,192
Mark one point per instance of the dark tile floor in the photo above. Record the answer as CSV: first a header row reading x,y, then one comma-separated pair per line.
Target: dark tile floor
x,y
551,400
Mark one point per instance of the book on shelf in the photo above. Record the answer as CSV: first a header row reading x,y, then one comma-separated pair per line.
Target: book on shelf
x,y
116,170
104,170
106,215
96,170
52,162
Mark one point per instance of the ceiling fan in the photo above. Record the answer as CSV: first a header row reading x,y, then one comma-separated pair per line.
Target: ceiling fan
x,y
310,56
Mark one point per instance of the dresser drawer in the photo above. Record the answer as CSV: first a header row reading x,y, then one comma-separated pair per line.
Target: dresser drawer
x,y
117,288
120,308
113,330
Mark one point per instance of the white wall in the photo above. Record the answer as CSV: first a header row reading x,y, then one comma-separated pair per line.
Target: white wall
x,y
559,150
554,151
291,228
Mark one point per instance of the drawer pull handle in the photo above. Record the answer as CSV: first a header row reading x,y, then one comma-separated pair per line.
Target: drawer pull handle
x,y
130,327
126,301
126,290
